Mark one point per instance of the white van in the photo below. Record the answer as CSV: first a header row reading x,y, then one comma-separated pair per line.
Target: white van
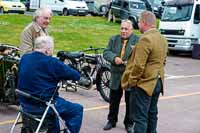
x,y
180,24
65,7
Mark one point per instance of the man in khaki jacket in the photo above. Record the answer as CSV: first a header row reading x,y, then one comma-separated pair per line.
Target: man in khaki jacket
x,y
144,75
38,27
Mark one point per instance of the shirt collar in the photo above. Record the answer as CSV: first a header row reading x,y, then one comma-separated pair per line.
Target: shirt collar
x,y
150,30
37,27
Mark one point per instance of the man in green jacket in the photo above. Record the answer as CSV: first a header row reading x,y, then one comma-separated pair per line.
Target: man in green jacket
x,y
117,52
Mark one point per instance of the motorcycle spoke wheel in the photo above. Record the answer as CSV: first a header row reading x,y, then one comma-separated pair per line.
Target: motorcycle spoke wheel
x,y
103,84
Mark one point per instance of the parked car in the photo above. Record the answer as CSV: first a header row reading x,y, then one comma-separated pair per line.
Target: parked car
x,y
148,5
12,6
27,4
157,7
64,7
126,9
96,8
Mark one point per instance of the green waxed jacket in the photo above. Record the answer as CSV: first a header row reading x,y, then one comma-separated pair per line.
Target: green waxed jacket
x,y
113,50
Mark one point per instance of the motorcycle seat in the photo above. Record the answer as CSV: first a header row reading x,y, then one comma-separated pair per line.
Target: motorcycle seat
x,y
69,55
75,54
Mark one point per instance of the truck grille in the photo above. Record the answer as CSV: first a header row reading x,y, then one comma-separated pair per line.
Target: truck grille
x,y
172,41
172,32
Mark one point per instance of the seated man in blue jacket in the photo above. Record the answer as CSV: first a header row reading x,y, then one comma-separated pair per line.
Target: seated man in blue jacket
x,y
39,74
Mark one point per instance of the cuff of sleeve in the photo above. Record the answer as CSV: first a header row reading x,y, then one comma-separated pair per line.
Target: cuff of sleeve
x,y
132,82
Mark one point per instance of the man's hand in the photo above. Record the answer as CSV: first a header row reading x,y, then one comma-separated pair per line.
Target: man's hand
x,y
7,51
132,47
118,61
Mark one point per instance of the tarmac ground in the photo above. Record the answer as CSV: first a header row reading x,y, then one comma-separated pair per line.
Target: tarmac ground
x,y
179,108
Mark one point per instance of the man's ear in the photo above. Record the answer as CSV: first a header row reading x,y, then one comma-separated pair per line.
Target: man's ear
x,y
46,51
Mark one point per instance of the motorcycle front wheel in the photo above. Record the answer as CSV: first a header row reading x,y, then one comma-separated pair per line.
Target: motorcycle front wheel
x,y
102,82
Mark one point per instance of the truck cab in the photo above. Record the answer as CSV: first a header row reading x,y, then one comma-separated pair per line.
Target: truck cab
x,y
180,24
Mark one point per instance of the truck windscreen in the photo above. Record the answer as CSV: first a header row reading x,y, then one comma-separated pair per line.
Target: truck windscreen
x,y
177,13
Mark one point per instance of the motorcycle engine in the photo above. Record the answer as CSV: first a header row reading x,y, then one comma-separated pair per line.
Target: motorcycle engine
x,y
85,79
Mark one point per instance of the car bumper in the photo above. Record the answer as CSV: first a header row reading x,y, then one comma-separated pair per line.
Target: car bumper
x,y
78,12
180,48
14,10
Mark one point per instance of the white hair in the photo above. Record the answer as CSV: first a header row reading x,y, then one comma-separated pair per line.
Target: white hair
x,y
129,22
40,11
44,42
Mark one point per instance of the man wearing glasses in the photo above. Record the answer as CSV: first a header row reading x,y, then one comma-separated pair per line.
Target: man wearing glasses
x,y
117,52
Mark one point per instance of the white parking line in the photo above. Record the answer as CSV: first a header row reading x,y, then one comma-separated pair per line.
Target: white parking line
x,y
180,77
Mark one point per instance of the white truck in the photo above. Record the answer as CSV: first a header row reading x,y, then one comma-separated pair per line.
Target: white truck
x,y
180,24
65,7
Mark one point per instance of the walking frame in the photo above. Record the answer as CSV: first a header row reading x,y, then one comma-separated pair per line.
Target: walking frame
x,y
49,105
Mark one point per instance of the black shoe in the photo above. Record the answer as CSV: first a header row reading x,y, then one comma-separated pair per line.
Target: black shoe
x,y
109,126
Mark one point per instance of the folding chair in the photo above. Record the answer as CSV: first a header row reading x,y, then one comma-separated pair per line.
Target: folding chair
x,y
37,123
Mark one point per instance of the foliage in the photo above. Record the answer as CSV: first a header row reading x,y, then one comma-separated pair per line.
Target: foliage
x,y
70,32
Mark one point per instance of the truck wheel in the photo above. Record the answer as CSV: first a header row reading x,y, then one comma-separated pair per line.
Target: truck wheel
x,y
65,12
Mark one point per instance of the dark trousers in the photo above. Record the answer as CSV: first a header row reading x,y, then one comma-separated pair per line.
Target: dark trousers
x,y
71,113
115,98
144,109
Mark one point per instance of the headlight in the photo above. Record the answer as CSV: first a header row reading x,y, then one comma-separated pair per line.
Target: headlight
x,y
23,6
194,40
184,42
6,6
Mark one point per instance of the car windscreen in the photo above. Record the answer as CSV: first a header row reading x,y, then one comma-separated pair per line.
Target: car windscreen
x,y
177,13
137,5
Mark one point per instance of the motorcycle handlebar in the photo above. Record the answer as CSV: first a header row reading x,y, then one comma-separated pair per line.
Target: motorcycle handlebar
x,y
92,49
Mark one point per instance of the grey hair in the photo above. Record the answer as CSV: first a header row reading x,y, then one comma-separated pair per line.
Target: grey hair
x,y
129,22
43,42
40,11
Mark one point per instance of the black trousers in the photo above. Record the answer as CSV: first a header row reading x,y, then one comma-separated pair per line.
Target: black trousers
x,y
115,98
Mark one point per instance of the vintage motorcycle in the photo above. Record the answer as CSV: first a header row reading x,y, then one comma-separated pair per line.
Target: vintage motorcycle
x,y
93,68
8,74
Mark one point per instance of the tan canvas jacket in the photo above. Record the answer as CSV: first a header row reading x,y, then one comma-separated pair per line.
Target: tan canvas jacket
x,y
28,36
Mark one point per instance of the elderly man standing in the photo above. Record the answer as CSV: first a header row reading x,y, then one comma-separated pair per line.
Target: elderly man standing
x,y
117,52
46,72
38,27
144,75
